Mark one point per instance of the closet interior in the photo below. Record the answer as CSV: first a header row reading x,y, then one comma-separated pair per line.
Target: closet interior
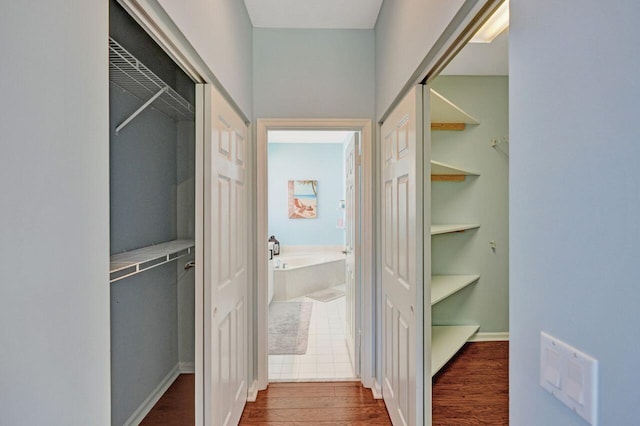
x,y
152,219
469,202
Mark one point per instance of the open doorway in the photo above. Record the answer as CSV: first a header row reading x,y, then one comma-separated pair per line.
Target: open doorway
x,y
153,222
470,268
311,273
324,261
444,157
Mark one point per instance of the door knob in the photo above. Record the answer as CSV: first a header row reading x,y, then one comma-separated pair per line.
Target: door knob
x,y
189,265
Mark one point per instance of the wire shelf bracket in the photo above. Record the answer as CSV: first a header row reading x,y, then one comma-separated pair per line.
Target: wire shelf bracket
x,y
139,110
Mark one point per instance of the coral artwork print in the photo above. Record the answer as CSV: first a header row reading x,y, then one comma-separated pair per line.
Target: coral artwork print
x,y
303,199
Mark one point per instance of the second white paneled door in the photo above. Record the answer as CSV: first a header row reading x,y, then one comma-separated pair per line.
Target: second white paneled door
x,y
402,260
226,222
352,249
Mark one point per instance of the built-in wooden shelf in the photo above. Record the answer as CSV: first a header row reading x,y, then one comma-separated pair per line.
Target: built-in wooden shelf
x,y
445,115
446,229
446,172
133,262
448,126
443,286
446,341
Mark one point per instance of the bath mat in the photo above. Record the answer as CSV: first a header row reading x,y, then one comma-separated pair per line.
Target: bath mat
x,y
326,295
289,327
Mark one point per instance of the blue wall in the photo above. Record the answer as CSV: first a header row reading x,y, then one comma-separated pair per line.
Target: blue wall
x,y
304,161
574,201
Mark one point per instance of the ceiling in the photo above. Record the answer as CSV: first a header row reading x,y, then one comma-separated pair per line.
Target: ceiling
x,y
482,58
314,14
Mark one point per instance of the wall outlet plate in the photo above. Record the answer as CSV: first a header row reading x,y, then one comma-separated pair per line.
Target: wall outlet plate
x,y
570,375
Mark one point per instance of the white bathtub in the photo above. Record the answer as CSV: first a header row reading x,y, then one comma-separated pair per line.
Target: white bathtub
x,y
305,270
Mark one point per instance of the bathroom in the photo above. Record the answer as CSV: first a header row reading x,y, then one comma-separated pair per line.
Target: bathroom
x,y
307,221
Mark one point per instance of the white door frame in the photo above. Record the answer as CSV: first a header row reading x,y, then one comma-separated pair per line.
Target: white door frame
x,y
367,371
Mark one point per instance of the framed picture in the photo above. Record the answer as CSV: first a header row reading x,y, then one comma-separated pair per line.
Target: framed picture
x,y
303,199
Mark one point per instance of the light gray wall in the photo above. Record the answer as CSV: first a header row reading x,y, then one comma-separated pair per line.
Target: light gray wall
x,y
54,220
482,199
144,322
220,31
574,199
313,73
143,175
405,32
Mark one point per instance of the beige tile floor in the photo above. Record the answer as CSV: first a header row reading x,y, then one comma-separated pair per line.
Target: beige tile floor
x,y
327,356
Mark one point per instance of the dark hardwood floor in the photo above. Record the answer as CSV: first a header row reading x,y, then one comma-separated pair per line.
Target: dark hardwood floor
x,y
346,403
177,405
473,389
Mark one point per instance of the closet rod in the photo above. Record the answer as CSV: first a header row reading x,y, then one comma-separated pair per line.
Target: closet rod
x,y
139,110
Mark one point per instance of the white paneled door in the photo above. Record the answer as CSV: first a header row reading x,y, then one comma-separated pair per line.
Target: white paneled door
x,y
402,262
226,224
352,249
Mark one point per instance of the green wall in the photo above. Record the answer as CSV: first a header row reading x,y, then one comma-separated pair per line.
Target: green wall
x,y
482,199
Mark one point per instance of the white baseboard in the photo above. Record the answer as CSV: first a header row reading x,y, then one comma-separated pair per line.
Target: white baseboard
x,y
502,336
367,382
187,367
151,400
376,390
252,394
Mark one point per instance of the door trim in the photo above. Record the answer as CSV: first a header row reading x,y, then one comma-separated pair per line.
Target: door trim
x,y
367,370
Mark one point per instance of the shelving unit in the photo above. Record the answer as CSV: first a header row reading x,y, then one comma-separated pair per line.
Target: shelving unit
x,y
128,73
133,262
448,229
446,172
446,341
445,115
443,286
152,213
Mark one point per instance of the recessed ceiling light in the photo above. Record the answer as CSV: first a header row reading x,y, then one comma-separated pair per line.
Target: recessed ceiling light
x,y
496,24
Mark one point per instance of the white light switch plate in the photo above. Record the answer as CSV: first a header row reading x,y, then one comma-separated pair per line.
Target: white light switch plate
x,y
569,375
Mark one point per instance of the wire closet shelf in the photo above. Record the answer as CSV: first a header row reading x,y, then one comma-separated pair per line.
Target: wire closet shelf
x,y
128,73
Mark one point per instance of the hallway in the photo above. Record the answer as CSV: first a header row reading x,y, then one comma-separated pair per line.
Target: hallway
x,y
471,390
316,403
